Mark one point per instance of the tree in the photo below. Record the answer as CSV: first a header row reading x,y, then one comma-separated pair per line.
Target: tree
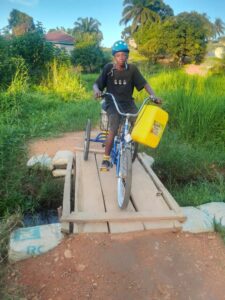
x,y
87,52
138,12
219,27
88,25
182,37
20,22
36,52
192,31
7,65
151,41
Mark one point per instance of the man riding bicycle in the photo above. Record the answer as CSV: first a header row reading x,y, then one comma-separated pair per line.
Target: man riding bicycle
x,y
119,78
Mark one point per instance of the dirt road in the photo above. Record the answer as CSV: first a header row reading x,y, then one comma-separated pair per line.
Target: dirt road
x,y
167,266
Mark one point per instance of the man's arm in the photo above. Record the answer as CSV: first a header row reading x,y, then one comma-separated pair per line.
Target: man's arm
x,y
97,92
150,91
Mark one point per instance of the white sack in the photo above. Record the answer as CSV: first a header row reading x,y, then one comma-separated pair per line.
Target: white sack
x,y
32,241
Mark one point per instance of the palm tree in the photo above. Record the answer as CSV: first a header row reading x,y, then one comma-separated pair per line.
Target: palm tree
x,y
139,11
87,25
219,26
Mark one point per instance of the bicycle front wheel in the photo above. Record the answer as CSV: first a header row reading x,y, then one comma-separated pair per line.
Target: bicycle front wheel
x,y
125,178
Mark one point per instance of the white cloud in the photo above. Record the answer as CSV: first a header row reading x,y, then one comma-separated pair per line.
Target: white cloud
x,y
25,2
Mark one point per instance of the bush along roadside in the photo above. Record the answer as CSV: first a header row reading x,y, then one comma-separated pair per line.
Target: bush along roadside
x,y
29,115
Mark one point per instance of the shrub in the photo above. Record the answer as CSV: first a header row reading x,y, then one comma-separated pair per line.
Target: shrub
x,y
61,80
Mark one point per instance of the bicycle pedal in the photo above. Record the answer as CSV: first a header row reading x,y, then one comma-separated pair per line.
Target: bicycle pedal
x,y
104,169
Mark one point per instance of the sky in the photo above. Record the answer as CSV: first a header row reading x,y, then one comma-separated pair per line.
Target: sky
x,y
53,13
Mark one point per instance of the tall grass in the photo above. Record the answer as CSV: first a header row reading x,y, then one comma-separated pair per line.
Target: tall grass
x,y
191,157
25,115
64,82
38,115
19,82
196,105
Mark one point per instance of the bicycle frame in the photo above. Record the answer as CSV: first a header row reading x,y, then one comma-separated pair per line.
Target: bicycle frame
x,y
100,138
119,144
121,154
122,139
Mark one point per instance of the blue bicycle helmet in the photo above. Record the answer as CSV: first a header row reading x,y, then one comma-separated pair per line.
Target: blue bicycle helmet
x,y
120,46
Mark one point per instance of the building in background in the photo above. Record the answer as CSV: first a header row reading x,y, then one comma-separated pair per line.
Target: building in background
x,y
61,40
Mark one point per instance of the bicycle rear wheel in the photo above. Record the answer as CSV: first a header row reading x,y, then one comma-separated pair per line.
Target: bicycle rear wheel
x,y
87,139
125,178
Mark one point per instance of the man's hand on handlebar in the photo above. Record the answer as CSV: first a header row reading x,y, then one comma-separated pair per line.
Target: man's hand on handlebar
x,y
156,100
97,92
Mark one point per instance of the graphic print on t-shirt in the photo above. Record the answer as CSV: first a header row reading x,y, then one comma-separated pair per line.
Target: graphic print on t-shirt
x,y
120,81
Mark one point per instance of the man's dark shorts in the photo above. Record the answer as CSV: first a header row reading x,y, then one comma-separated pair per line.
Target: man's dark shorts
x,y
115,118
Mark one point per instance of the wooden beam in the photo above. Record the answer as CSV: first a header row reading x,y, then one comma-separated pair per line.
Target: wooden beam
x,y
140,216
88,194
66,209
171,202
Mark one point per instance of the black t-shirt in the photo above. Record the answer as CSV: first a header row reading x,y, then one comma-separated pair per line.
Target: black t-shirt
x,y
121,83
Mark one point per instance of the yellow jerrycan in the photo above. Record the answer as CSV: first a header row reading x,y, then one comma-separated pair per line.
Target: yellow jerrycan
x,y
149,126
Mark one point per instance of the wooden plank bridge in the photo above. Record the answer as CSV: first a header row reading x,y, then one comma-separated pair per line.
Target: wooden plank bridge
x,y
90,199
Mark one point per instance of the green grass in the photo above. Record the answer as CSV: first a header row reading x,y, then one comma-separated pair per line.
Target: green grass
x,y
88,81
195,105
199,192
27,116
191,157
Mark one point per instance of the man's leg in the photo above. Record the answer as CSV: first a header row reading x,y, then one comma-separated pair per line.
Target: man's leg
x,y
109,142
114,120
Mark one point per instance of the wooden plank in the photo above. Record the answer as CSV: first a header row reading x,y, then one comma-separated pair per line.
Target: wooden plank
x,y
146,196
91,150
109,188
66,209
171,202
122,216
88,194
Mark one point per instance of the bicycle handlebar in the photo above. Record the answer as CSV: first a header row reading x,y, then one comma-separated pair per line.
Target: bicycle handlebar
x,y
152,98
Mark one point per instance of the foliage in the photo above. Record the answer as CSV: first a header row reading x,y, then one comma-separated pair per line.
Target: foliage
x,y
7,63
193,102
62,81
141,11
190,158
25,116
193,31
7,225
20,23
88,25
88,53
36,52
150,40
219,27
199,192
20,79
182,37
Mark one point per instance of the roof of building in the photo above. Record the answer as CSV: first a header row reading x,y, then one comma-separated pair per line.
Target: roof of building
x,y
59,37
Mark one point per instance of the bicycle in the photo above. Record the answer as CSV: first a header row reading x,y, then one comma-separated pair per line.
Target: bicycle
x,y
123,152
